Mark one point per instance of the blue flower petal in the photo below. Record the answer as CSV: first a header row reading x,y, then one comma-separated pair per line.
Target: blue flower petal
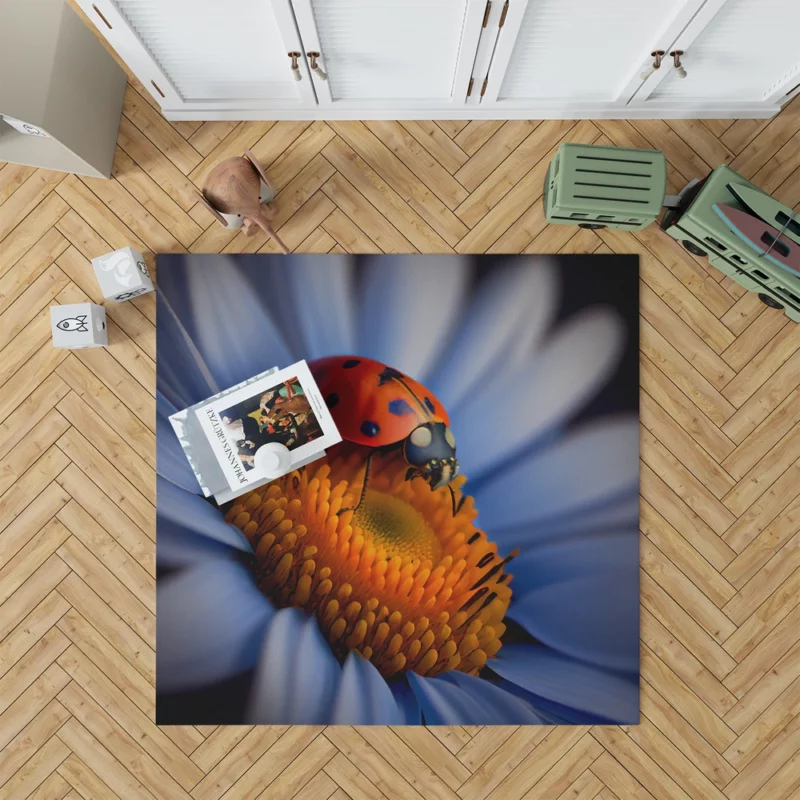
x,y
565,681
209,626
233,331
621,513
363,697
183,376
196,517
512,309
538,395
179,547
459,699
552,713
409,305
592,618
407,702
322,298
297,675
575,557
593,464
163,406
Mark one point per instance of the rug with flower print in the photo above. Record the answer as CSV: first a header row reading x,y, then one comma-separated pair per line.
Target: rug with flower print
x,y
506,593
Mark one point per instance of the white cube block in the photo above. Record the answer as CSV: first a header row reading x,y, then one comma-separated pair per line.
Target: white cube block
x,y
122,274
78,325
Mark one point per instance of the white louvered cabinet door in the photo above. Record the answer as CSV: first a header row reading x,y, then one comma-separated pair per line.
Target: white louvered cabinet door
x,y
206,53
736,51
573,54
390,53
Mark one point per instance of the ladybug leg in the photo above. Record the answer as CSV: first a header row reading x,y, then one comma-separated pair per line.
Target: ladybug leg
x,y
456,505
363,486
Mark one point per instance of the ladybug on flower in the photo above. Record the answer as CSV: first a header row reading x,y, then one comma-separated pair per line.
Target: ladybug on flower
x,y
379,407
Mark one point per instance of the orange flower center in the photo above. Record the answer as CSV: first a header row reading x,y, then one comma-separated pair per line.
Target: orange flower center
x,y
402,579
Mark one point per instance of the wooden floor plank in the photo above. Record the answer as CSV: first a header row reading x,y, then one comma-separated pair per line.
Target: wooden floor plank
x,y
769,593
92,770
25,199
31,629
357,172
81,415
28,233
496,183
157,165
159,131
30,267
38,768
119,743
437,143
681,554
487,160
107,586
685,448
12,176
476,133
680,733
413,192
419,161
236,762
154,199
92,606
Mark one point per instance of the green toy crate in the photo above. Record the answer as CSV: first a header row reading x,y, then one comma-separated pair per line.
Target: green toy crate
x,y
598,187
701,231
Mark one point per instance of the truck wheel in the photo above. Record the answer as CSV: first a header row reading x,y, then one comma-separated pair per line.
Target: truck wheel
x,y
769,301
693,248
592,226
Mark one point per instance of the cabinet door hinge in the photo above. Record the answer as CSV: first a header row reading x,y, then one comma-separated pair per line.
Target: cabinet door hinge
x,y
483,88
469,88
487,12
503,15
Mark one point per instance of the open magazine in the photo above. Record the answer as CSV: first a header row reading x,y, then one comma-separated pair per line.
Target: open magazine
x,y
225,436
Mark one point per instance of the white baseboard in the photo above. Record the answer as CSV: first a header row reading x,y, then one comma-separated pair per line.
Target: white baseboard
x,y
688,111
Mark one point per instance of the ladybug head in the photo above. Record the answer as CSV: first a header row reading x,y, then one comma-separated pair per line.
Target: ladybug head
x,y
430,451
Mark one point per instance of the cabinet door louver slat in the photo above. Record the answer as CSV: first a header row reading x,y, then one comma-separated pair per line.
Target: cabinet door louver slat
x,y
390,50
747,50
583,50
211,49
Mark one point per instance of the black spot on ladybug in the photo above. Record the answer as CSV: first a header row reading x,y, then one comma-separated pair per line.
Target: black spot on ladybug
x,y
370,428
351,362
430,405
332,399
387,375
399,407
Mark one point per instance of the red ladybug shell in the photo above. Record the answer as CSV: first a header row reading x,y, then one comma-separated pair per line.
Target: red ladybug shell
x,y
371,403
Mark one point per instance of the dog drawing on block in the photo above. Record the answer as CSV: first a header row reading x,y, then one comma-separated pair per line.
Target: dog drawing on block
x,y
237,192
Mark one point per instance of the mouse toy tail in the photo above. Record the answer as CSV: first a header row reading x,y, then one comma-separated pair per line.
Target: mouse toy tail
x,y
263,223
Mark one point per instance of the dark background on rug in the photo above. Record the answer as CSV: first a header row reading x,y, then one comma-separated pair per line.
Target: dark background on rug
x,y
586,281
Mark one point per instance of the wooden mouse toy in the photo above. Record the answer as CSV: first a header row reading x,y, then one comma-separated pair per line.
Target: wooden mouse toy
x,y
236,192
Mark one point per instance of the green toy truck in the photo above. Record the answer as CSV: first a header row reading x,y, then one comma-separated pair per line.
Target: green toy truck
x,y
703,233
605,187
598,187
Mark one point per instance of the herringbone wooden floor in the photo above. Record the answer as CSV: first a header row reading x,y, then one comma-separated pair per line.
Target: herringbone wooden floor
x,y
720,509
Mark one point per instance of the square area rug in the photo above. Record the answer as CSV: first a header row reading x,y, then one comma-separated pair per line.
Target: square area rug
x,y
506,596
